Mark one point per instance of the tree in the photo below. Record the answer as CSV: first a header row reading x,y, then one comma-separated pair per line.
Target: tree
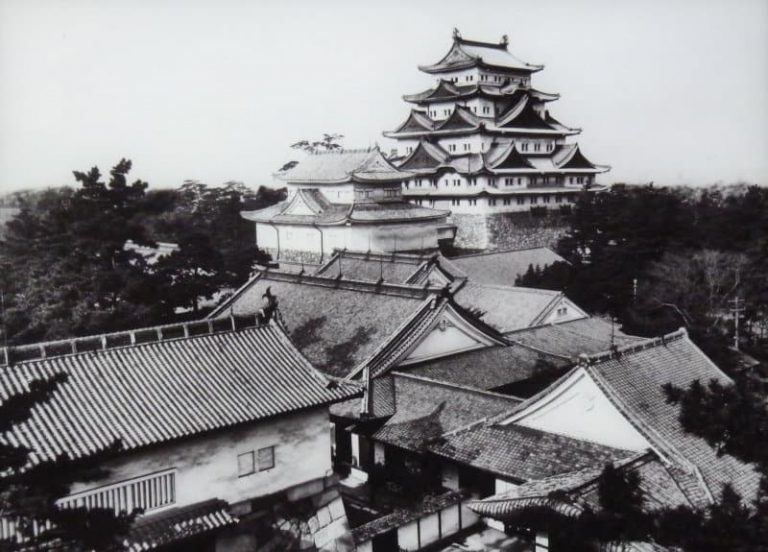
x,y
329,142
63,263
29,491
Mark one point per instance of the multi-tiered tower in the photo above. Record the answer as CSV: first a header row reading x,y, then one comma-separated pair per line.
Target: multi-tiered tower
x,y
483,144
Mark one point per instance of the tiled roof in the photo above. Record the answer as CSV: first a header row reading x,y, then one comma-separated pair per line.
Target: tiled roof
x,y
327,213
155,531
393,211
575,337
343,166
335,323
507,308
488,368
324,212
402,516
522,453
469,53
632,378
426,409
571,493
370,267
502,267
160,390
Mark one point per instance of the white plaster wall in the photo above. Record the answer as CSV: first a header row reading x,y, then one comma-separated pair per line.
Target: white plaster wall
x,y
430,529
449,520
207,465
579,409
408,536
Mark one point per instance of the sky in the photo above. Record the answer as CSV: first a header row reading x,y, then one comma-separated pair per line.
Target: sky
x,y
670,91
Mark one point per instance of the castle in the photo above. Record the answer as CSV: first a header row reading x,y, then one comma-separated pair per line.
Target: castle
x,y
483,143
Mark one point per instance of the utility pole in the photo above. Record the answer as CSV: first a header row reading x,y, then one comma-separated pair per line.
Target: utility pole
x,y
736,310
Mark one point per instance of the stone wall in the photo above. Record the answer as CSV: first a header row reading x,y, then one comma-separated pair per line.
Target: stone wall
x,y
508,230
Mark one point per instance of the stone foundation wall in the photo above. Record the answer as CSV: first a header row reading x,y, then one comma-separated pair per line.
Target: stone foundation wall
x,y
508,230
295,256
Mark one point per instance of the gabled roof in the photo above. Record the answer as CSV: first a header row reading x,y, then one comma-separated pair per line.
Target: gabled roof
x,y
316,210
335,323
508,308
471,53
309,206
425,409
503,267
523,115
335,167
417,121
461,118
632,379
576,160
506,158
425,155
173,382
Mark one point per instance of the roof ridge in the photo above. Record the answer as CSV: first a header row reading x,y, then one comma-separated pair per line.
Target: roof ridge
x,y
650,343
521,289
364,286
344,150
148,335
501,252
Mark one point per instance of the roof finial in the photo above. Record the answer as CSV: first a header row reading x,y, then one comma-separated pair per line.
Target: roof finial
x,y
504,40
456,33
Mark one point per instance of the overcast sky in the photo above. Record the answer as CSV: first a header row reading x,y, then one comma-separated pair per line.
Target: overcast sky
x,y
674,91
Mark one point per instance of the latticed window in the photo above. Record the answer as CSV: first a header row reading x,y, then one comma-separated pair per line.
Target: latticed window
x,y
148,492
266,458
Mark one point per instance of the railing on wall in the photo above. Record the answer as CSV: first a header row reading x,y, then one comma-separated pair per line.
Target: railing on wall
x,y
148,493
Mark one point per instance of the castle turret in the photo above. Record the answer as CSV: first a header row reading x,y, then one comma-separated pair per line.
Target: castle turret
x,y
346,199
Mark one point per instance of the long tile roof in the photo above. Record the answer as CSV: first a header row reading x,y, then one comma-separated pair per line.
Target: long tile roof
x,y
426,409
344,166
632,378
522,453
507,308
503,267
176,385
397,268
161,529
336,323
573,492
490,367
575,337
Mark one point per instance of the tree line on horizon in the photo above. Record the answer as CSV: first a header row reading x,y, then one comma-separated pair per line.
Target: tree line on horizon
x,y
65,270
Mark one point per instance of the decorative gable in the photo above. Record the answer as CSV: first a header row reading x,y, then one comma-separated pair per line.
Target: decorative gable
x,y
563,310
578,408
299,206
450,334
